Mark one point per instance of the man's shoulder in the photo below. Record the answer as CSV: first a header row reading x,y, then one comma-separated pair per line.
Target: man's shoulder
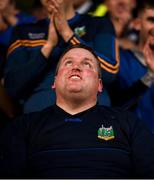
x,y
117,113
127,55
31,31
33,119
48,110
127,52
108,109
102,21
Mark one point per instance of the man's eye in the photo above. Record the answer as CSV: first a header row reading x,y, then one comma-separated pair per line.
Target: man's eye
x,y
68,63
87,64
150,19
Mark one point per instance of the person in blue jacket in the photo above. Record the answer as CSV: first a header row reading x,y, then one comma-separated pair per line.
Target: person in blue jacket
x,y
136,67
35,49
76,138
10,16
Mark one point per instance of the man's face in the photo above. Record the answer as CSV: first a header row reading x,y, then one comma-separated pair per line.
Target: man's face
x,y
146,20
4,4
78,74
118,7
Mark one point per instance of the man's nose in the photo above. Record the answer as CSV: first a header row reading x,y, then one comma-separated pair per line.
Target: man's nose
x,y
76,66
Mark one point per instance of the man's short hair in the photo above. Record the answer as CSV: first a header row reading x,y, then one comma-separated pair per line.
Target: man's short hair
x,y
141,5
83,47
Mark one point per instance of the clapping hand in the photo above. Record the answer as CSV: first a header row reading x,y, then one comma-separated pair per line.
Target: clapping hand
x,y
60,19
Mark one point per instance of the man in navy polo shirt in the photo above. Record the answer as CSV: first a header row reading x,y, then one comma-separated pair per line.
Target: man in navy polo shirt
x,y
76,137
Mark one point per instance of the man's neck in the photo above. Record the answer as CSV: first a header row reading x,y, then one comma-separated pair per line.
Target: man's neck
x,y
74,107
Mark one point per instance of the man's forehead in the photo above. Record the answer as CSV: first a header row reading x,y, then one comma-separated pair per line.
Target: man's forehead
x,y
149,9
78,52
147,12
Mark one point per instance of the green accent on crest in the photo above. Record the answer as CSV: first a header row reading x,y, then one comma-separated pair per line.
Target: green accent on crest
x,y
106,133
80,31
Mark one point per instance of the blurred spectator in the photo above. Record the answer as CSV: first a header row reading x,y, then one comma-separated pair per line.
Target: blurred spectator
x,y
10,16
120,13
34,51
137,68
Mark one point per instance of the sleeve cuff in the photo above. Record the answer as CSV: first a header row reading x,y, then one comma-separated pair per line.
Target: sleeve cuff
x,y
73,40
148,78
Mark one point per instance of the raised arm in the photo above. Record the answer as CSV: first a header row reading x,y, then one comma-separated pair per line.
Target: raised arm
x,y
27,59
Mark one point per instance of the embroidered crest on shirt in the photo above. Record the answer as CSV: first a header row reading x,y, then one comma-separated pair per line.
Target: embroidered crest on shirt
x,y
106,133
80,31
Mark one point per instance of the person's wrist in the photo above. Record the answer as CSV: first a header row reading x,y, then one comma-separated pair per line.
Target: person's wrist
x,y
67,34
50,44
47,48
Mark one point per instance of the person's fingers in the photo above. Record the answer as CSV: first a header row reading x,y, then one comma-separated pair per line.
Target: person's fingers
x,y
55,4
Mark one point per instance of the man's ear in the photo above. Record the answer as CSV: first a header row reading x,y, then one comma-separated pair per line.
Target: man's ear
x,y
100,86
53,86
